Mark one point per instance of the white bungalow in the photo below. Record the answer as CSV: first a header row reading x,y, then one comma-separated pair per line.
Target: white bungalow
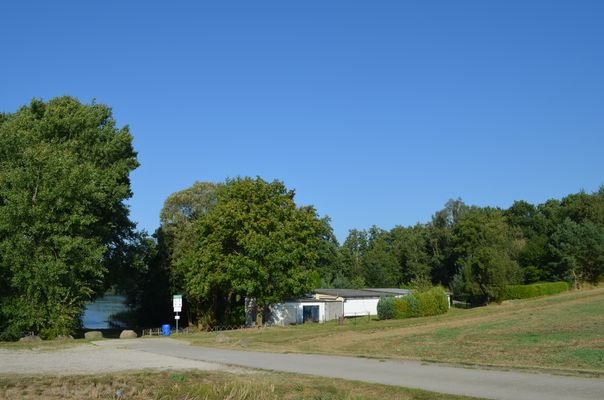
x,y
330,304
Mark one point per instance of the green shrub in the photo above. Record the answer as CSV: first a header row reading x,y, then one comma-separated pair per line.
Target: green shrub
x,y
534,290
412,305
425,304
402,308
417,304
385,308
442,300
432,302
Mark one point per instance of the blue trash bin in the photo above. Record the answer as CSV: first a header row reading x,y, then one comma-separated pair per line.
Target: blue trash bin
x,y
165,330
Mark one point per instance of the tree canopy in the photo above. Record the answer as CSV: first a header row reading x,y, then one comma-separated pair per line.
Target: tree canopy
x,y
477,251
254,242
64,177
486,249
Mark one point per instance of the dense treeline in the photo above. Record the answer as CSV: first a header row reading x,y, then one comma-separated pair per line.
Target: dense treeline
x,y
223,242
478,251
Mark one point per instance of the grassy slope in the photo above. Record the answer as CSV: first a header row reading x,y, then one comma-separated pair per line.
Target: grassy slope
x,y
205,385
563,332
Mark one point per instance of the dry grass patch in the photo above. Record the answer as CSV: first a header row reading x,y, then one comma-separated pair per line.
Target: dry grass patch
x,y
43,344
191,385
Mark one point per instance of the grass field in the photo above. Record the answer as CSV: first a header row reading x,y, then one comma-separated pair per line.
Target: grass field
x,y
204,386
563,332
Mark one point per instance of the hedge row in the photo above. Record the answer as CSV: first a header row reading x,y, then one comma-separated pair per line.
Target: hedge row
x,y
419,304
534,290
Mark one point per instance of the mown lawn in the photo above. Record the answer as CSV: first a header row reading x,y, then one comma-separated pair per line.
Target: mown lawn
x,y
195,385
563,332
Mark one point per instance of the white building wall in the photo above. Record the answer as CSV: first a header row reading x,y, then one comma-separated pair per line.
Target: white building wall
x,y
358,307
333,310
291,312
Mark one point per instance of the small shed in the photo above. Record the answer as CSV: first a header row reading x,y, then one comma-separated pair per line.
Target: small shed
x,y
303,310
330,304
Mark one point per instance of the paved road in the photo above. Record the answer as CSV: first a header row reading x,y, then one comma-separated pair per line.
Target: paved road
x,y
504,385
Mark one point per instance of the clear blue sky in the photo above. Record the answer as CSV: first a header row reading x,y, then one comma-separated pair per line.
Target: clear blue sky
x,y
374,112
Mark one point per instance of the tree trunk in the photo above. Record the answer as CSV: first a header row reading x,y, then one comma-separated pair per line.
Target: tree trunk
x,y
575,280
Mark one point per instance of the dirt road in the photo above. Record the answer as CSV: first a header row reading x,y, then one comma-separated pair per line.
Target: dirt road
x,y
99,357
164,353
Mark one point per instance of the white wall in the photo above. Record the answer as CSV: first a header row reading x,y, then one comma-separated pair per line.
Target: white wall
x,y
291,312
358,307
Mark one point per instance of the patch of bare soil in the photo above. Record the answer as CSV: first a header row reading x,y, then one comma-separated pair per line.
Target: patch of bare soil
x,y
97,357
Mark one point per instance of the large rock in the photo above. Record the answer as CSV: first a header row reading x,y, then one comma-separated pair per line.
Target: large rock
x,y
128,334
93,335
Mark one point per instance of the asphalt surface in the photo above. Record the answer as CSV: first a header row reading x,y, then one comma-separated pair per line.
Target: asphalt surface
x,y
491,384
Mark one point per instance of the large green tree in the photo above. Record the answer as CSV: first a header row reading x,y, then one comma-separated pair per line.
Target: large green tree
x,y
254,242
486,249
352,254
380,265
176,233
148,277
440,241
578,251
411,246
534,226
64,177
175,237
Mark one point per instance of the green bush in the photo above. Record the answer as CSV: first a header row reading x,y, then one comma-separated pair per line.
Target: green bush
x,y
426,305
417,304
402,308
534,290
442,300
385,308
432,302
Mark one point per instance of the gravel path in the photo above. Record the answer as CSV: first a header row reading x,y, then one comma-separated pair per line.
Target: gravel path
x,y
98,357
164,353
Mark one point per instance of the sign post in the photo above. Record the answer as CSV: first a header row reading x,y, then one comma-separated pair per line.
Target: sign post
x,y
177,304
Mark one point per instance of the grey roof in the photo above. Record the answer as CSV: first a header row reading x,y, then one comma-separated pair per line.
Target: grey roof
x,y
307,300
358,293
393,291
